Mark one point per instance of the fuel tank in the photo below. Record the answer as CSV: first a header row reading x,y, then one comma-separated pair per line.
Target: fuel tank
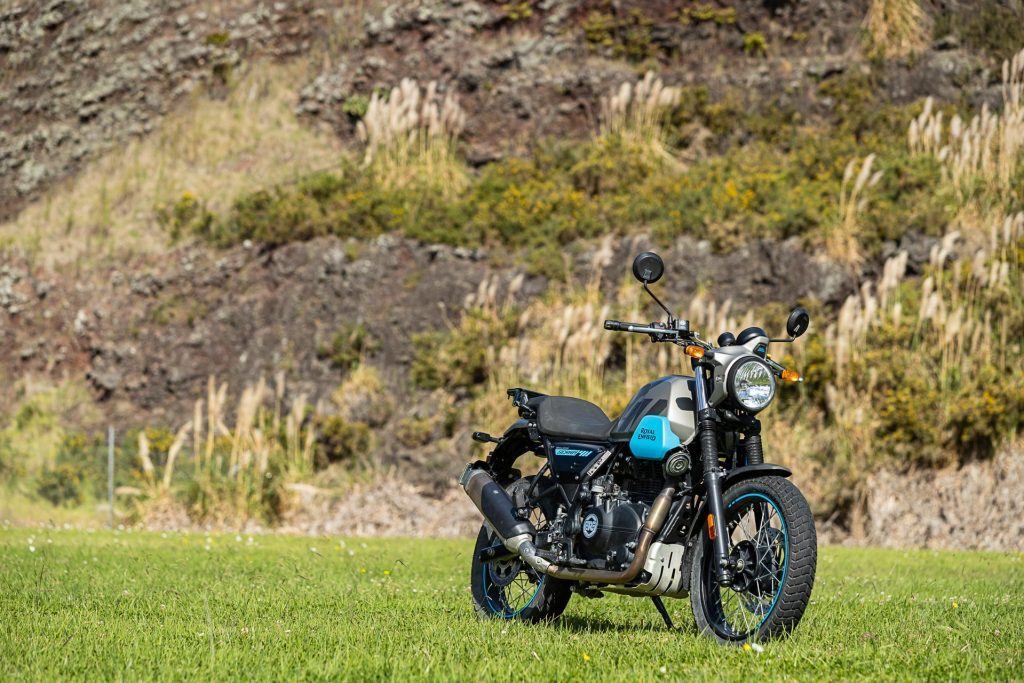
x,y
670,397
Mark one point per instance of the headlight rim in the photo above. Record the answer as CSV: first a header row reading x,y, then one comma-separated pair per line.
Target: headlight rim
x,y
731,382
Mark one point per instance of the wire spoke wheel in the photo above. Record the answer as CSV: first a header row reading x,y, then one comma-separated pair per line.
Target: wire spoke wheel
x,y
774,548
758,538
508,588
511,585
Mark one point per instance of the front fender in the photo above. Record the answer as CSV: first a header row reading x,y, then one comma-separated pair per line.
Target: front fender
x,y
731,478
738,474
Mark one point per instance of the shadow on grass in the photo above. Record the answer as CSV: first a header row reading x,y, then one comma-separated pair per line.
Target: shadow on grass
x,y
582,624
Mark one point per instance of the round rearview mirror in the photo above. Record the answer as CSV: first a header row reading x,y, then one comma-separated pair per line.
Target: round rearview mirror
x,y
799,321
648,267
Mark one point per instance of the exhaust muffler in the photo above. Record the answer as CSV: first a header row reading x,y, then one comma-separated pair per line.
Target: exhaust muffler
x,y
496,506
518,535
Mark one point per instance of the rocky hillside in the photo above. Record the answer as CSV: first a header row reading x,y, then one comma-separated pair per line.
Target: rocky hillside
x,y
139,143
81,77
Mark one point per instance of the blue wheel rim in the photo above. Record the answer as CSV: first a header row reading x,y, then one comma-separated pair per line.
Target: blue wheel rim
x,y
497,599
713,592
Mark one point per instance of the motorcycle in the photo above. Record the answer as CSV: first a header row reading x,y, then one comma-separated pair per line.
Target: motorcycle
x,y
671,499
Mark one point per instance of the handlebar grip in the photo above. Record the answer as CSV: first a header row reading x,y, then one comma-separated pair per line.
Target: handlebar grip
x,y
614,325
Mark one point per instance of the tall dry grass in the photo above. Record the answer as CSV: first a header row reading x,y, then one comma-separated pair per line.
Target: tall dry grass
x,y
981,155
634,115
842,237
896,28
235,472
214,149
411,135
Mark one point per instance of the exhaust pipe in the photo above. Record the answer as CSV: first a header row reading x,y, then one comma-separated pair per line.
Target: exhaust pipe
x,y
518,535
496,506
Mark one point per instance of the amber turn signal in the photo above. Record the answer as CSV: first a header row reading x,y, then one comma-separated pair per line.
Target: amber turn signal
x,y
790,376
694,351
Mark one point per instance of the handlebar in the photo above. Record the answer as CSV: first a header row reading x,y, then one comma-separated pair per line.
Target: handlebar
x,y
658,331
645,328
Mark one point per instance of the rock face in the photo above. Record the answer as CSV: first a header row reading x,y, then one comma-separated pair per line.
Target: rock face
x,y
81,77
149,334
978,506
523,76
147,341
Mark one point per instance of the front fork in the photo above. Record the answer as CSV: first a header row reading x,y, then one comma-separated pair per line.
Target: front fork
x,y
717,528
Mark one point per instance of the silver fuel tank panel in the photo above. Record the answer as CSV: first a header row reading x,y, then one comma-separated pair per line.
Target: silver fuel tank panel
x,y
671,397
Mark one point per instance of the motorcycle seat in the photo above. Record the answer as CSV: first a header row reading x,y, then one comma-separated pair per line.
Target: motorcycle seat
x,y
570,418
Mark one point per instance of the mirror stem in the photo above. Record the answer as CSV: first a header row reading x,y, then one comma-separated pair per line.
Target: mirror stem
x,y
658,301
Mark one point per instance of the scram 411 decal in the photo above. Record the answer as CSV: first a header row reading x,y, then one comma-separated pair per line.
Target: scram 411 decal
x,y
573,452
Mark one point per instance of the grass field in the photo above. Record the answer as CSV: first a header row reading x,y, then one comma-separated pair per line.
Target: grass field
x,y
129,605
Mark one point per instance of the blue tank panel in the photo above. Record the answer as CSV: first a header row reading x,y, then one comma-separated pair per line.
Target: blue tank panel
x,y
653,438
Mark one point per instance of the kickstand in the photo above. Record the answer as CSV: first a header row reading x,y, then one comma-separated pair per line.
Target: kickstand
x,y
661,610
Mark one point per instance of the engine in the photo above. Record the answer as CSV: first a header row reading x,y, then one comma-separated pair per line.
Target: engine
x,y
610,524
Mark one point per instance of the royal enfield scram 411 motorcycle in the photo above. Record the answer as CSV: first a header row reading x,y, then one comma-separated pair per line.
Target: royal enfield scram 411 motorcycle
x,y
673,498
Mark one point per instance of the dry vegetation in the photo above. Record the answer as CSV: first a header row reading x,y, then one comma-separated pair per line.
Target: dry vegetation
x,y
896,28
634,116
410,138
207,152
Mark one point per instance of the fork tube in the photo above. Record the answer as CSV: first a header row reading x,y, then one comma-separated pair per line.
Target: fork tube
x,y
712,479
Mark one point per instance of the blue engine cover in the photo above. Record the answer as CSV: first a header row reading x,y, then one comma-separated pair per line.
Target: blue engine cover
x,y
653,438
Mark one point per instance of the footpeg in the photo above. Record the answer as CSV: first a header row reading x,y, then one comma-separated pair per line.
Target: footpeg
x,y
484,437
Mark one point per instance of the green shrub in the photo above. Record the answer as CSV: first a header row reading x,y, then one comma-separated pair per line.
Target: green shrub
x,y
911,418
348,346
413,432
517,11
62,485
755,45
186,216
218,39
341,440
464,357
990,26
986,412
699,14
627,36
355,106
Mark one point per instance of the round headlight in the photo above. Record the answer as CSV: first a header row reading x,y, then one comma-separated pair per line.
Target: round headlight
x,y
752,385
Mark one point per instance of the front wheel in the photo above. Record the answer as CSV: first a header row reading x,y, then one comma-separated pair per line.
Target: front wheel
x,y
772,531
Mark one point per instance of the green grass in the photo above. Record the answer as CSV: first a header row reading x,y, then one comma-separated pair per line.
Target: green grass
x,y
146,605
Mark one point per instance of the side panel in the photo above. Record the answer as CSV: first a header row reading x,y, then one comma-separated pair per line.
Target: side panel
x,y
670,397
569,459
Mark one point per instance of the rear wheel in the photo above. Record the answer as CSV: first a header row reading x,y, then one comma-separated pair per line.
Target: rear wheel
x,y
772,531
511,589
